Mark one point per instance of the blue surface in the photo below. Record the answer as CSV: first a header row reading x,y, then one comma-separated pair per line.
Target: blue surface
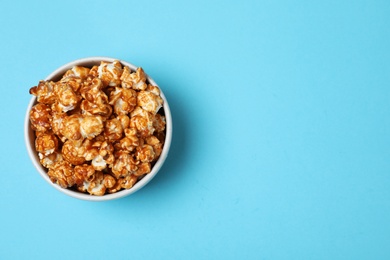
x,y
281,146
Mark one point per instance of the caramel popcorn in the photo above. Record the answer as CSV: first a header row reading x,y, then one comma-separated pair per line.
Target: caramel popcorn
x,y
40,117
110,73
62,174
98,130
135,81
46,143
149,101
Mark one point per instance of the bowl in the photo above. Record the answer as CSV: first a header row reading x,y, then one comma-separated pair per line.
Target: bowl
x,y
30,136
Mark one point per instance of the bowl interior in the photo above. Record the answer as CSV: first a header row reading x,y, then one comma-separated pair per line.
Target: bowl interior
x,y
30,136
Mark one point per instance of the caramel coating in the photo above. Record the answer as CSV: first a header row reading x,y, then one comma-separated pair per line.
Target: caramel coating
x,y
44,92
128,181
149,101
67,99
62,174
83,173
124,164
123,100
113,129
110,73
98,130
48,161
46,143
40,117
145,153
133,80
72,152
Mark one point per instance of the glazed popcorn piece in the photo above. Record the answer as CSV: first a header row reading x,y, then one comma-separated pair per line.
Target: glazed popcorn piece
x,y
48,161
77,72
143,168
124,164
83,173
145,153
123,100
46,143
128,181
91,126
142,121
40,117
44,92
72,152
74,82
95,186
110,73
67,99
149,101
62,174
113,129
135,80
159,123
129,142
98,130
156,144
104,156
70,127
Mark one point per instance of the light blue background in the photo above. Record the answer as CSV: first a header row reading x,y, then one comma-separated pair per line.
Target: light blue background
x,y
281,146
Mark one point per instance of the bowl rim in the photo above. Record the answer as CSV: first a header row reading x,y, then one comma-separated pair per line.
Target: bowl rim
x,y
30,139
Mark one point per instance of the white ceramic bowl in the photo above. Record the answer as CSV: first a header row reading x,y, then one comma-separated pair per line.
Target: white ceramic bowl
x,y
30,138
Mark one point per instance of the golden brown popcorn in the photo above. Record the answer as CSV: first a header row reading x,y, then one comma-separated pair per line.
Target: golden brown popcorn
x,y
83,173
96,186
74,82
113,129
89,149
123,100
143,168
142,121
124,164
100,161
149,101
62,174
72,152
98,152
91,126
159,123
93,73
145,153
48,161
115,188
125,121
128,181
160,136
40,117
154,89
135,80
156,144
98,109
56,124
77,72
132,134
70,127
129,142
44,92
67,98
92,91
110,73
46,143
126,144
109,181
